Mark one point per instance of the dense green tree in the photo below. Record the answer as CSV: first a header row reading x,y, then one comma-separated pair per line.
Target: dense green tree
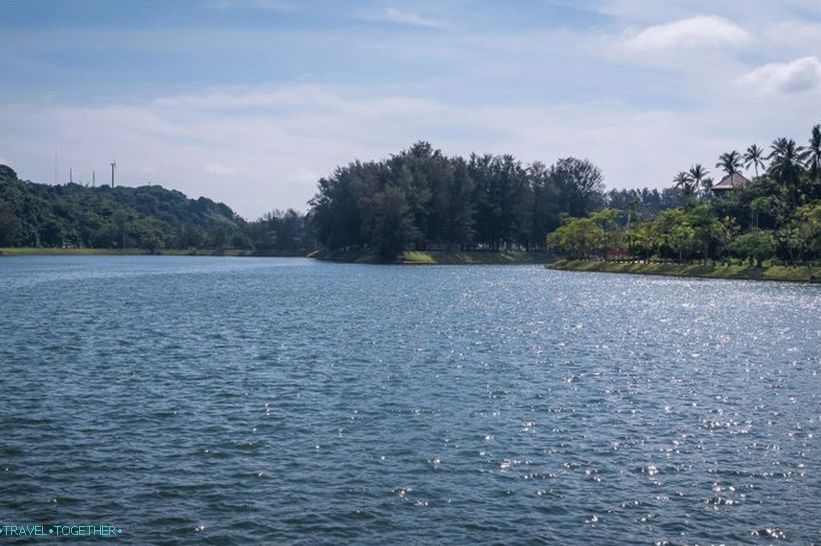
x,y
455,210
335,208
578,237
641,241
728,229
391,223
707,231
674,233
503,201
613,235
9,225
800,237
756,246
581,184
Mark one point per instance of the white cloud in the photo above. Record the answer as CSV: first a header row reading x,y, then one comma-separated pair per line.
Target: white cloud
x,y
797,76
393,15
692,33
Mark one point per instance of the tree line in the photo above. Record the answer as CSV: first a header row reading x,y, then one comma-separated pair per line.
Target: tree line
x,y
776,216
420,199
147,217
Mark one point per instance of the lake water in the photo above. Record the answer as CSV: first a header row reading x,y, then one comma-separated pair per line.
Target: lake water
x,y
244,400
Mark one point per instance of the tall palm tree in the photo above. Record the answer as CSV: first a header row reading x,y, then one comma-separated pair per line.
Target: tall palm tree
x,y
697,174
785,167
812,153
754,156
730,162
684,182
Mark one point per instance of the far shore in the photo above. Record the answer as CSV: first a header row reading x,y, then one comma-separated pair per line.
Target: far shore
x,y
435,257
442,257
806,274
31,251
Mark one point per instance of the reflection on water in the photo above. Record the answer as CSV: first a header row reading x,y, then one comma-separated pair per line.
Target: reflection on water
x,y
286,400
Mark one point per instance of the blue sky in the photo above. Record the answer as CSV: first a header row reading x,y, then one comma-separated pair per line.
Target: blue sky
x,y
251,101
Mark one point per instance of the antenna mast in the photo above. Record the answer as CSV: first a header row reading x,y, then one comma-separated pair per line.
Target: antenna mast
x,y
113,166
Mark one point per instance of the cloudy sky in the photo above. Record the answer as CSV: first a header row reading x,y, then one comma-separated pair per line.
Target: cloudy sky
x,y
251,101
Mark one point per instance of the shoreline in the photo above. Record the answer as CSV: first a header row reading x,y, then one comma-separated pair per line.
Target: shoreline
x,y
441,257
801,274
31,251
434,257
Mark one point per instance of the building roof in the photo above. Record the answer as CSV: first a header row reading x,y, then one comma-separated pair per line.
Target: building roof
x,y
733,181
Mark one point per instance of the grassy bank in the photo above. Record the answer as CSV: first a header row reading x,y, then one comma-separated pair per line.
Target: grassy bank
x,y
712,271
441,257
12,251
474,258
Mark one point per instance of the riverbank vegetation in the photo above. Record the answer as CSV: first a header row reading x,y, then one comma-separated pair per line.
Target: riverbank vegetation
x,y
775,218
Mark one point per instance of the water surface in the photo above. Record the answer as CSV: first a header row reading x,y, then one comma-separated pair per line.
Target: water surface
x,y
242,400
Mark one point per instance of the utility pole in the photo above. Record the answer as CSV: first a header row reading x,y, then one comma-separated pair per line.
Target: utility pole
x,y
113,166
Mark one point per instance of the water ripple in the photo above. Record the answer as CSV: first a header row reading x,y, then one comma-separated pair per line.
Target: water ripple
x,y
221,400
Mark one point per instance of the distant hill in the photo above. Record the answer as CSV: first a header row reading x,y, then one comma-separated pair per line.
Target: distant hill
x,y
76,216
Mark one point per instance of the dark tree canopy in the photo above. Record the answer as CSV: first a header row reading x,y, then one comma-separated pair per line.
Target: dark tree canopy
x,y
420,199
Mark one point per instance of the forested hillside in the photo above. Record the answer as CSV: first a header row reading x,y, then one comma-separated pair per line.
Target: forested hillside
x,y
147,217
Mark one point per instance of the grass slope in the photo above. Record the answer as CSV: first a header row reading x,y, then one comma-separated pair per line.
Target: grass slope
x,y
712,271
474,258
